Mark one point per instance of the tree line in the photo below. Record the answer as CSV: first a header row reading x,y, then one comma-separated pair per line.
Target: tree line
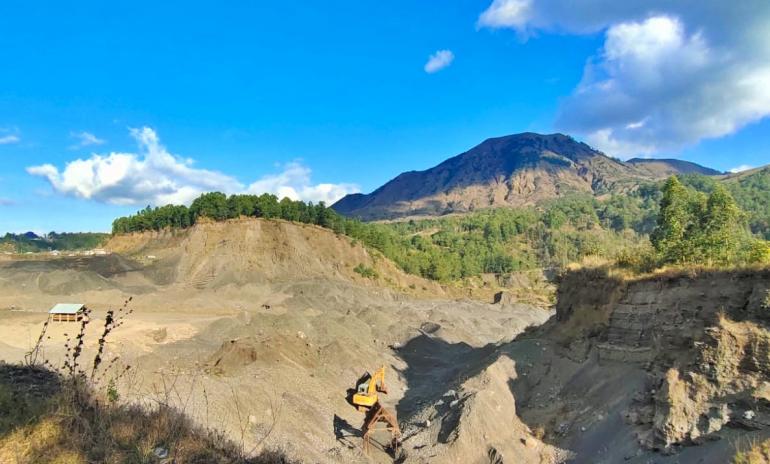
x,y
219,207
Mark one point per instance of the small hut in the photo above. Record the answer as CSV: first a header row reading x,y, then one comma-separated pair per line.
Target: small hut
x,y
67,312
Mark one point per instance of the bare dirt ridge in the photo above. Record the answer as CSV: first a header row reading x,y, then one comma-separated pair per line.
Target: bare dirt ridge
x,y
248,251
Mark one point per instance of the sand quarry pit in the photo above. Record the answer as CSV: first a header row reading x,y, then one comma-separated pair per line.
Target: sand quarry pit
x,y
259,328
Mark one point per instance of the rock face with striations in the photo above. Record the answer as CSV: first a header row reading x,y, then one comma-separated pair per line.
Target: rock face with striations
x,y
514,170
703,339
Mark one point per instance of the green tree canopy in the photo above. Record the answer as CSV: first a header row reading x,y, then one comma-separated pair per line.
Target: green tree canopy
x,y
675,220
698,229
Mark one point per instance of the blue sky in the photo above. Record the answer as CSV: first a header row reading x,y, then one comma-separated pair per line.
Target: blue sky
x,y
324,98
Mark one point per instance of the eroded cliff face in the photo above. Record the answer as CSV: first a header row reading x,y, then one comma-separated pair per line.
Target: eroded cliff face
x,y
728,385
702,339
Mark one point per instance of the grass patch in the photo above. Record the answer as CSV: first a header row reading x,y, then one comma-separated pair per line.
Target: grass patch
x,y
366,271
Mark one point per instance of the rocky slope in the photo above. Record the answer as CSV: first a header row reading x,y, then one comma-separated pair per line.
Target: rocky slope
x,y
514,170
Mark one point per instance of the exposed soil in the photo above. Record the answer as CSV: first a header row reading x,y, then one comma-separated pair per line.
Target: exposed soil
x,y
259,328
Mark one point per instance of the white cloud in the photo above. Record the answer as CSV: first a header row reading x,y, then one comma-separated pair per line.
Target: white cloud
x,y
8,139
741,168
294,182
439,60
506,13
86,139
156,177
670,73
9,135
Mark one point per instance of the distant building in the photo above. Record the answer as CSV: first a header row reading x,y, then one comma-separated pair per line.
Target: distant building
x,y
67,312
55,253
99,251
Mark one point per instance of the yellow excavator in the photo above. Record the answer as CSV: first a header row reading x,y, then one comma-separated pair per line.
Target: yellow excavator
x,y
366,399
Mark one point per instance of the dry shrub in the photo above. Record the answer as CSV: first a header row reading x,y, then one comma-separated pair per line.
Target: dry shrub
x,y
757,453
640,259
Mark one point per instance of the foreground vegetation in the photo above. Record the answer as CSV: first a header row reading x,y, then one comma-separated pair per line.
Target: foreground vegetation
x,y
758,453
751,192
687,220
49,419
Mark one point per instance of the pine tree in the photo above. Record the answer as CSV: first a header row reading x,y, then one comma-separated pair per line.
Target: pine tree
x,y
674,221
723,229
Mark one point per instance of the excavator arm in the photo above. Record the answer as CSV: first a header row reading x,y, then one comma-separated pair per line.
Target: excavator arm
x,y
377,384
377,414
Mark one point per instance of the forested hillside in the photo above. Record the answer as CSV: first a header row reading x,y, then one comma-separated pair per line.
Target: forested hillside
x,y
31,242
551,234
698,228
752,192
498,240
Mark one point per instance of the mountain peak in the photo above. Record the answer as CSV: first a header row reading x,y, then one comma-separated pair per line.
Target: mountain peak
x,y
511,170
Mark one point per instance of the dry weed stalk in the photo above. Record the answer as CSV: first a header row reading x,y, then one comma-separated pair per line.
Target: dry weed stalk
x,y
31,357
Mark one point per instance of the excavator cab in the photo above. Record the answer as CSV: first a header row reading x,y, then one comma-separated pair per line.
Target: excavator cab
x,y
367,389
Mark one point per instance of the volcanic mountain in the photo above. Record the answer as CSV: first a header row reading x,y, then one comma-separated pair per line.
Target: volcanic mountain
x,y
514,170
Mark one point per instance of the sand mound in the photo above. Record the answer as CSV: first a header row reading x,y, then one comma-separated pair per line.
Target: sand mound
x,y
254,251
303,353
237,354
478,424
